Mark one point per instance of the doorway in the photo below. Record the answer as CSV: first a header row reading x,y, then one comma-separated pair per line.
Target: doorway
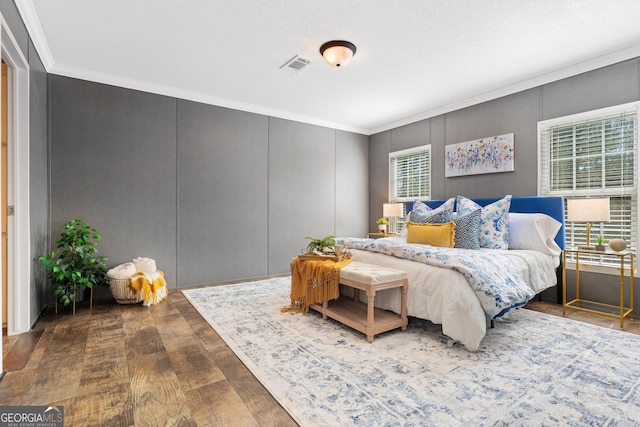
x,y
18,261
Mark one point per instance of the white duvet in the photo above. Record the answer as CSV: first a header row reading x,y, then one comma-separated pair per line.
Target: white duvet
x,y
444,296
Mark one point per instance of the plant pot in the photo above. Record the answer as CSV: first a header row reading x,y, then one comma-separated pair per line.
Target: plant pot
x,y
382,228
600,248
82,294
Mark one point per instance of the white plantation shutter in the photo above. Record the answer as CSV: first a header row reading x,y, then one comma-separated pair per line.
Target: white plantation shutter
x,y
409,177
410,174
594,154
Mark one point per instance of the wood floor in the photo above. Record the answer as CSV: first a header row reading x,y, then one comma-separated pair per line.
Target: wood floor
x,y
125,365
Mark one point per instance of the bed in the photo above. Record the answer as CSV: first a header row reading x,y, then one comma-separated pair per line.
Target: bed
x,y
464,288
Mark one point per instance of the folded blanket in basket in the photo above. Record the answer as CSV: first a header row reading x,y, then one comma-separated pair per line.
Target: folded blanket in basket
x,y
152,286
145,265
122,271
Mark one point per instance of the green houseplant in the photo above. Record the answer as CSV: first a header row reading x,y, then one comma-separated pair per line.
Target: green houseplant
x,y
72,265
382,224
320,244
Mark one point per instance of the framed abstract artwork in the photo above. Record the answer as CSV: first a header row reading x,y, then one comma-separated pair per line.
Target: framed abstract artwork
x,y
486,155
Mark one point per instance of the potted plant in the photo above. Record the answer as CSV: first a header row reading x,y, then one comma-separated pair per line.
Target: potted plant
x,y
382,225
321,245
72,266
600,243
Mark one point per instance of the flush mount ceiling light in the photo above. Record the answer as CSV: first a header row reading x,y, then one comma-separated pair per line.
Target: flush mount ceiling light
x,y
337,52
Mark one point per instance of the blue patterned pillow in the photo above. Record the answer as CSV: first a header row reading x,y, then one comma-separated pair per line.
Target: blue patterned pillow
x,y
468,230
421,213
494,221
433,217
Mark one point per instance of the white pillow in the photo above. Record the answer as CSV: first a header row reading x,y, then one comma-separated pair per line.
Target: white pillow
x,y
535,231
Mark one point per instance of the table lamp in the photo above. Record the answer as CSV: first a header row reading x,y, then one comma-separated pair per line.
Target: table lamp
x,y
392,211
588,210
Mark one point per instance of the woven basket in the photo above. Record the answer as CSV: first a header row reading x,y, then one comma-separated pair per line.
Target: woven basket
x,y
122,292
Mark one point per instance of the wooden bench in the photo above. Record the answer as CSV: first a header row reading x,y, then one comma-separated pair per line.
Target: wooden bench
x,y
365,317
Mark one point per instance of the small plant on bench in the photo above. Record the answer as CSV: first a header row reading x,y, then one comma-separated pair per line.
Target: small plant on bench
x,y
321,245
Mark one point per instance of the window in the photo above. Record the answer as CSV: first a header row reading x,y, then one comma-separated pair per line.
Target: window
x,y
409,176
594,154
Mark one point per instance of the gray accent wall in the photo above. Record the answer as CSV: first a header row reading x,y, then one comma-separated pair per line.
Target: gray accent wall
x,y
212,194
222,194
352,191
12,17
38,181
113,165
379,149
516,114
604,87
519,114
302,180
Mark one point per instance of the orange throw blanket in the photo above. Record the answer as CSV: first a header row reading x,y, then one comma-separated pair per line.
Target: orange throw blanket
x,y
152,287
313,282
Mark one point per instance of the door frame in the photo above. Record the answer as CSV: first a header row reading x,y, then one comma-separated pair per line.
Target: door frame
x,y
19,256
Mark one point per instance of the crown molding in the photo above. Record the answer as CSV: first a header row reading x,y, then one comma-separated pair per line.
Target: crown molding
x,y
28,13
113,80
30,18
573,70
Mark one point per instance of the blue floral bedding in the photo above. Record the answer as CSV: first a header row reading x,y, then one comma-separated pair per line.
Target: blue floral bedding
x,y
494,277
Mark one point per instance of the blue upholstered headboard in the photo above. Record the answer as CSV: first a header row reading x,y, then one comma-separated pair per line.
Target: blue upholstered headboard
x,y
550,205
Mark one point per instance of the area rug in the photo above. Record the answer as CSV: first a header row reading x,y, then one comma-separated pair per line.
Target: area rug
x,y
531,369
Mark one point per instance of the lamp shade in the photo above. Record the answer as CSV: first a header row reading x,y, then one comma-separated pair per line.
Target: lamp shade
x,y
337,52
392,210
588,210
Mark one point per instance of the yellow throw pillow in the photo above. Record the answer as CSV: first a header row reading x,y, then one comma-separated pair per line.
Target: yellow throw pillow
x,y
442,235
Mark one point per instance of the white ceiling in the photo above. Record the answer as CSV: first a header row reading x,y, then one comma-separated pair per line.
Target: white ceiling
x,y
415,59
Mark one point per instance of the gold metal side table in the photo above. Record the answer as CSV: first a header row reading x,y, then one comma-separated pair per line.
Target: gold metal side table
x,y
617,311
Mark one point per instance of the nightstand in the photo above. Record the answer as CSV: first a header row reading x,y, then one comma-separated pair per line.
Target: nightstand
x,y
617,311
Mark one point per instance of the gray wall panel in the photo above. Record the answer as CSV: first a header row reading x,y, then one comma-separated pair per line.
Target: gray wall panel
x,y
302,181
379,149
38,181
113,164
222,196
352,184
517,114
604,87
14,20
411,135
438,182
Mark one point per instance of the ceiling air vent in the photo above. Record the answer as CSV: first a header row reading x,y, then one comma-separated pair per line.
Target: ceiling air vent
x,y
296,64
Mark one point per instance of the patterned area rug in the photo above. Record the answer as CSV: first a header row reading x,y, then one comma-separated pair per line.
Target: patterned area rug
x,y
531,369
